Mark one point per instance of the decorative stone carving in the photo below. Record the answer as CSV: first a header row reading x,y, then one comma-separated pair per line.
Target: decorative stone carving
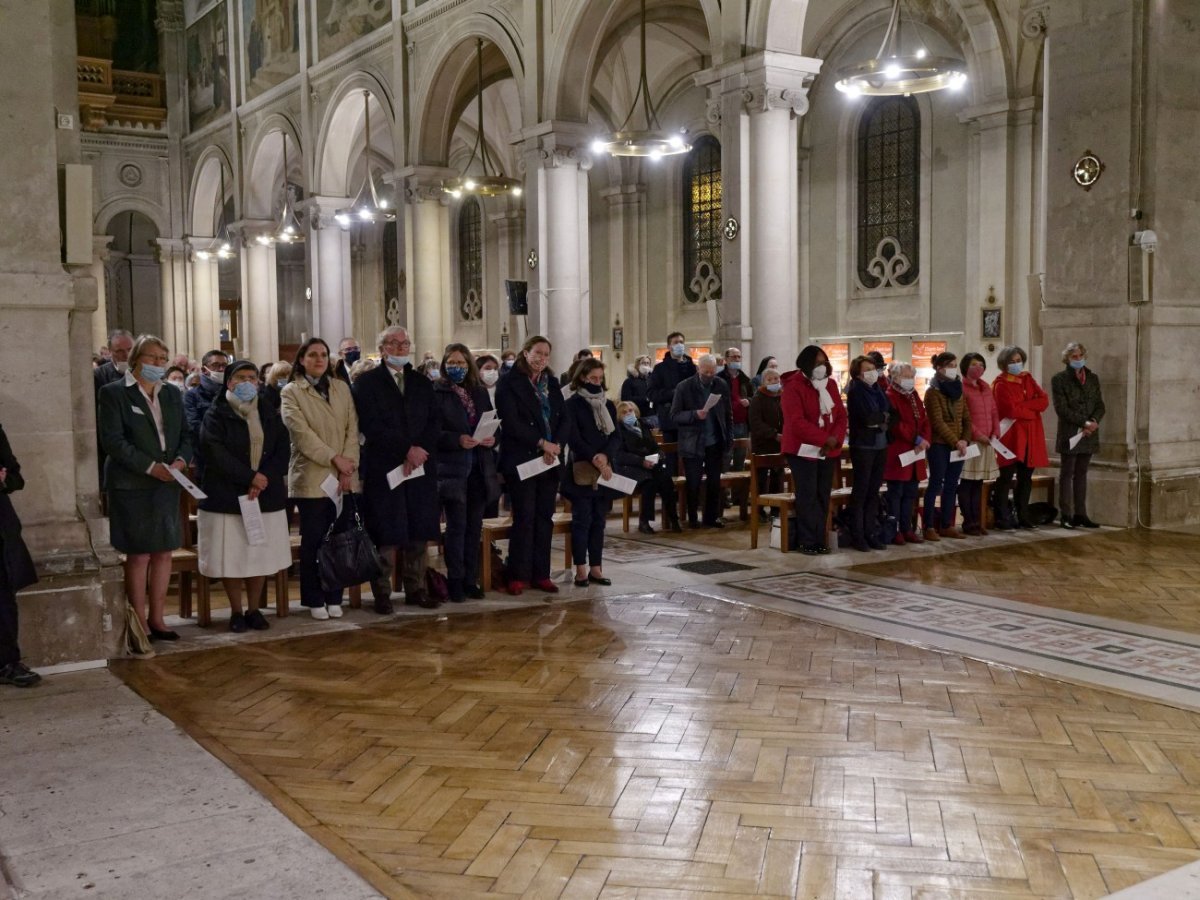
x,y
130,175
170,17
471,307
393,312
1033,23
888,269
705,283
712,110
423,191
763,98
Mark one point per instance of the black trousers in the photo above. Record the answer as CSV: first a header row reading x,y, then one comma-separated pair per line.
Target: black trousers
x,y
589,512
532,525
1024,477
868,468
315,518
10,652
814,481
707,466
970,502
659,484
1072,484
462,502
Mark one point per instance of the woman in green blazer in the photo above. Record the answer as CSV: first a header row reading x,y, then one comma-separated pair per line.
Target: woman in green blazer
x,y
145,435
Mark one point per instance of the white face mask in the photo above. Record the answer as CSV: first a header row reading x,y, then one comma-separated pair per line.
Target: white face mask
x,y
819,373
950,374
120,366
907,384
645,369
489,376
870,377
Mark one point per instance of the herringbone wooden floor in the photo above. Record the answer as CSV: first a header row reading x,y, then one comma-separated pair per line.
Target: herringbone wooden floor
x,y
1147,577
678,746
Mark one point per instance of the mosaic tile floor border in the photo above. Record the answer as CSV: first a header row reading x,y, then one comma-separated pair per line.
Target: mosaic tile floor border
x,y
1147,662
626,550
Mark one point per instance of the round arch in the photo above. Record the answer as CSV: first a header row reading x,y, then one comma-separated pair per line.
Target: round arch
x,y
777,25
572,66
453,75
262,183
342,127
206,202
114,207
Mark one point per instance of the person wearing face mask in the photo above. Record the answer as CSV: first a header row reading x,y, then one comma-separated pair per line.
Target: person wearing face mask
x,y
637,445
568,376
144,435
636,388
176,377
467,481
877,361
401,424
676,367
985,425
909,431
766,427
120,342
530,404
813,415
741,391
349,352
247,448
705,437
196,403
507,360
323,426
1020,398
1079,405
767,362
950,429
489,376
593,442
869,414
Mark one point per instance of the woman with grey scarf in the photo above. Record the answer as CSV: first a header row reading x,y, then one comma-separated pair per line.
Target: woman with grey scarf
x,y
594,443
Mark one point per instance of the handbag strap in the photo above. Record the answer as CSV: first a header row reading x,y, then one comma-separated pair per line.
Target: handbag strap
x,y
358,525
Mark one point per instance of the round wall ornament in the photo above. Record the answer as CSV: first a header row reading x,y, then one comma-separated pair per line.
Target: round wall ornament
x,y
1087,170
532,259
130,175
731,229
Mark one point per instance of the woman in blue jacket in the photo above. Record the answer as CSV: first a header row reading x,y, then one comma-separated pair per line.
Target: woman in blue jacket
x,y
594,444
869,410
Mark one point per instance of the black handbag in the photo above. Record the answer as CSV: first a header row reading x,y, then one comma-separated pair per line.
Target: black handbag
x,y
348,557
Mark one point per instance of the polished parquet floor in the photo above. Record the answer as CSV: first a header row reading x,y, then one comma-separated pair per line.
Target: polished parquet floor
x,y
676,745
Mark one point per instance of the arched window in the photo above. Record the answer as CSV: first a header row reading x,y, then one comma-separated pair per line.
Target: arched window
x,y
702,221
889,193
470,261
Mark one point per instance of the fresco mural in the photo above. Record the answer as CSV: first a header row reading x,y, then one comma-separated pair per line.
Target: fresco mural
x,y
208,67
342,22
271,38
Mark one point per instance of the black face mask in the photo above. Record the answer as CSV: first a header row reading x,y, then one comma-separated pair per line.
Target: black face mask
x,y
352,356
591,388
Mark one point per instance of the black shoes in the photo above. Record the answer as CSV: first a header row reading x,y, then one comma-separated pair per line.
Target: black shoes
x,y
719,523
676,528
815,550
1066,521
474,592
256,620
19,675
422,600
384,607
645,528
156,635
1084,522
581,582
237,623
599,579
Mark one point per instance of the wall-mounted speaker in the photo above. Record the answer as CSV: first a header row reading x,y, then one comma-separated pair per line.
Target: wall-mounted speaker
x,y
518,297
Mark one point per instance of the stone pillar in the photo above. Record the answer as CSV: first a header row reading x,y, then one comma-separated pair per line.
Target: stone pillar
x,y
627,269
510,230
330,261
172,259
556,183
756,101
260,295
100,254
432,309
206,307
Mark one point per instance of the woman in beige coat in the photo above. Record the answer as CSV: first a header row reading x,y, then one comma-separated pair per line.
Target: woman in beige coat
x,y
319,413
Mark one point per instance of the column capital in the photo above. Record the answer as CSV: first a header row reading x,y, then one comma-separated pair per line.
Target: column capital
x,y
249,230
423,184
1033,21
320,211
170,17
765,81
100,248
556,144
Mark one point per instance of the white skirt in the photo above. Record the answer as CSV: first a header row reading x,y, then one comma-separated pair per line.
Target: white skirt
x,y
225,552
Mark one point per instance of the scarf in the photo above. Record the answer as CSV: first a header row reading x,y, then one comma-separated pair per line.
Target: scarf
x,y
464,397
951,389
599,404
826,399
320,385
248,412
542,386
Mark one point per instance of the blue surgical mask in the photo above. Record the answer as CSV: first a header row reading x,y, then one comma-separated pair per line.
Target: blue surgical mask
x,y
1078,364
775,388
1016,368
677,349
457,374
733,366
153,374
434,374
507,365
245,391
629,421
398,362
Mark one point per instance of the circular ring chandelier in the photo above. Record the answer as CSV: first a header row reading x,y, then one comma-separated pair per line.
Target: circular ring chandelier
x,y
892,73
493,182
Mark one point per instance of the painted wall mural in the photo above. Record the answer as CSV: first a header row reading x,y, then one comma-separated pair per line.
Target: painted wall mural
x,y
271,37
342,22
208,67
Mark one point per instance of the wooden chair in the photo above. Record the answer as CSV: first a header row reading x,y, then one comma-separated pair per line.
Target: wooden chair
x,y
498,529
784,502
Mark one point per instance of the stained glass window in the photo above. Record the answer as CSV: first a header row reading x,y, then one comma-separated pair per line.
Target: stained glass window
x,y
702,221
889,193
470,260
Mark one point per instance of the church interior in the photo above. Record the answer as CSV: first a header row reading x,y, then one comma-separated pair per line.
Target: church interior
x,y
1016,714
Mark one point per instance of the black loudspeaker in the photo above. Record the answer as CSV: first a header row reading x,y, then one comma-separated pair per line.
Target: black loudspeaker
x,y
518,297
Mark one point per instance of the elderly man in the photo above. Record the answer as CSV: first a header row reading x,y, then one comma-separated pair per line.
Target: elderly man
x,y
705,436
120,342
741,392
400,425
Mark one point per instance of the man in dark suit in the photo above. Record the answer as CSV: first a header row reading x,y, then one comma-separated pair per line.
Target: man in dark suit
x,y
666,376
705,436
400,423
197,403
120,342
348,354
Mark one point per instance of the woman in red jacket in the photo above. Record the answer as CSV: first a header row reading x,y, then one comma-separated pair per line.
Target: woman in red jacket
x,y
1021,399
814,425
910,432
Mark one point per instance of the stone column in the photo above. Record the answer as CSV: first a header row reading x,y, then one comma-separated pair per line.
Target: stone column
x,y
260,294
756,101
556,183
172,258
100,253
206,312
627,268
510,231
432,311
329,257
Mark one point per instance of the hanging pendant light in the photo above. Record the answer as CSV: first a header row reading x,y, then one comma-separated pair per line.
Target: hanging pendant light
x,y
893,73
289,230
493,182
221,246
368,206
651,141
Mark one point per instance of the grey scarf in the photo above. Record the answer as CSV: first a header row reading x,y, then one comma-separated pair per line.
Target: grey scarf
x,y
599,405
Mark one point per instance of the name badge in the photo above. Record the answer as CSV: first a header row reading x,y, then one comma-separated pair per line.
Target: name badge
x,y
136,410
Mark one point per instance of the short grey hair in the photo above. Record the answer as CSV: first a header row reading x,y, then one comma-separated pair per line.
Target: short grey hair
x,y
118,333
1071,348
1006,353
388,332
707,358
899,369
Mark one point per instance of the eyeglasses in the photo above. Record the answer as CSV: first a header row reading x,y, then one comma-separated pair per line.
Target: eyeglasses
x,y
156,360
397,345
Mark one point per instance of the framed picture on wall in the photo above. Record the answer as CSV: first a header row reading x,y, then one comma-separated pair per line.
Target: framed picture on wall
x,y
990,323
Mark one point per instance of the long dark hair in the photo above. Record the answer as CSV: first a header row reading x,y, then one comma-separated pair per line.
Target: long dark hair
x,y
472,378
298,365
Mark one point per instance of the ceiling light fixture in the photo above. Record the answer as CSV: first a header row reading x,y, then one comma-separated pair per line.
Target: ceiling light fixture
x,y
893,73
368,206
652,140
220,245
493,182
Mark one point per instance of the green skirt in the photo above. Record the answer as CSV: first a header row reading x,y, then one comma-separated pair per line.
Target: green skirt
x,y
145,520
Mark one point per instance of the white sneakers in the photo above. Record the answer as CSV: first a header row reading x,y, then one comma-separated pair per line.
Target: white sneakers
x,y
333,611
319,612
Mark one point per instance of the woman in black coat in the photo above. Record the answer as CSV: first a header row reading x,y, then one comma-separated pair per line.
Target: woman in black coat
x,y
530,404
16,572
246,449
869,413
636,388
637,445
594,444
466,469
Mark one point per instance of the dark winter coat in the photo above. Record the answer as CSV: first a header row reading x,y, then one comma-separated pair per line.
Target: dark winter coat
x,y
521,412
636,389
18,566
664,379
585,439
766,421
869,412
635,447
225,437
1075,404
196,404
690,396
453,460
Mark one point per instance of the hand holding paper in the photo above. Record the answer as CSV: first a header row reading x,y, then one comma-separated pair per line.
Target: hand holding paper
x,y
971,452
535,467
1001,450
619,483
396,477
713,400
332,489
488,425
1074,442
810,451
907,459
187,484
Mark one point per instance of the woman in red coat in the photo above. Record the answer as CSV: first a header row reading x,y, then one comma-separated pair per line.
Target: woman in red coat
x,y
1021,399
910,432
813,417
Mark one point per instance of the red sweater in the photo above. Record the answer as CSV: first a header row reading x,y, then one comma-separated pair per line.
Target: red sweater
x,y
802,422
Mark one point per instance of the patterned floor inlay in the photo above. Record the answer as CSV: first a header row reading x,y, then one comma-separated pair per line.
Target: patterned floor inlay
x,y
1108,653
625,550
680,746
